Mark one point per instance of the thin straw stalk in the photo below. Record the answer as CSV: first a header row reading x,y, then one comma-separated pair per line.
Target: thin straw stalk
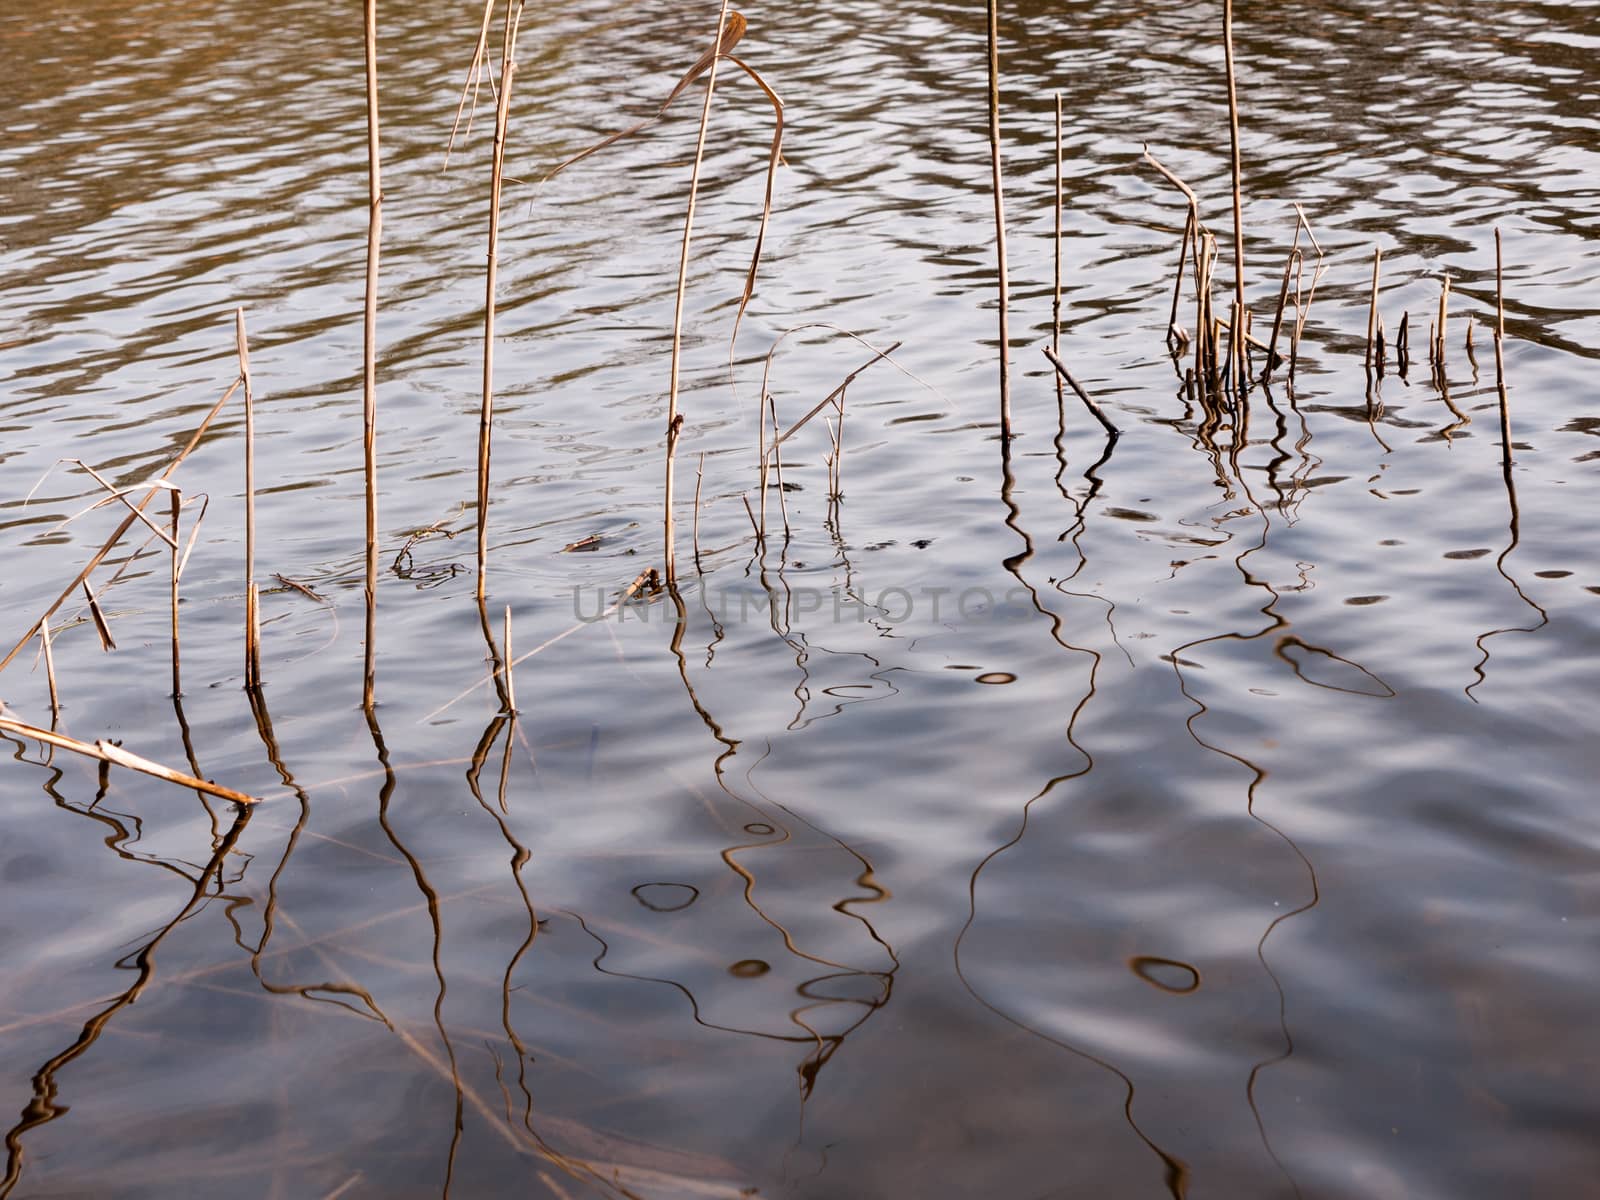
x,y
1499,353
1237,344
252,597
1372,308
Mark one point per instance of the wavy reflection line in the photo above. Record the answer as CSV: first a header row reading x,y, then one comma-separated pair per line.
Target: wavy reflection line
x,y
1175,1171
824,1046
43,1107
519,858
269,915
1515,524
385,795
1258,774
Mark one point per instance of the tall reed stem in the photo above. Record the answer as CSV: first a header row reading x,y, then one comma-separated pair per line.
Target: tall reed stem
x,y
1372,308
999,219
177,567
369,356
502,118
674,420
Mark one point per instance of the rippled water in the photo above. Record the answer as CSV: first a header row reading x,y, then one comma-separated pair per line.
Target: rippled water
x,y
1213,817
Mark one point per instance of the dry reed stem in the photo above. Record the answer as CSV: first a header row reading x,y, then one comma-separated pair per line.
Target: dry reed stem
x,y
777,467
110,752
1055,306
252,597
511,682
999,219
50,669
1238,211
369,357
831,398
1499,353
1094,409
176,574
699,478
674,419
127,523
1372,308
502,118
112,493
107,642
1174,332
474,81
1289,265
1444,311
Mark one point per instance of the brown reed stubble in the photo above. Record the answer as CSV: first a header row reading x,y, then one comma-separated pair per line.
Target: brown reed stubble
x,y
1372,308
369,355
502,119
999,219
110,752
674,418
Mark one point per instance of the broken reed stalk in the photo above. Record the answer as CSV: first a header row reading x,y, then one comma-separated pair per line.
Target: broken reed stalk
x,y
502,118
699,478
1372,308
1094,409
1499,353
1055,308
511,682
999,219
369,354
1236,345
1402,343
777,468
127,523
110,752
252,597
674,419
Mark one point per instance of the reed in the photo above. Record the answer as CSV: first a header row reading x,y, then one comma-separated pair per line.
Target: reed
x,y
1372,308
155,487
1499,353
177,568
107,642
1444,312
1077,388
369,356
252,596
502,119
1055,307
1289,268
50,669
111,752
999,219
511,681
674,418
1236,345
699,479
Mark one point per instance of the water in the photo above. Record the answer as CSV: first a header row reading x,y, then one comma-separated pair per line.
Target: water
x,y
1210,818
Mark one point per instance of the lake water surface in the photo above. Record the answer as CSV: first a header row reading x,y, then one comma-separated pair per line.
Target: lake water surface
x,y
1212,817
